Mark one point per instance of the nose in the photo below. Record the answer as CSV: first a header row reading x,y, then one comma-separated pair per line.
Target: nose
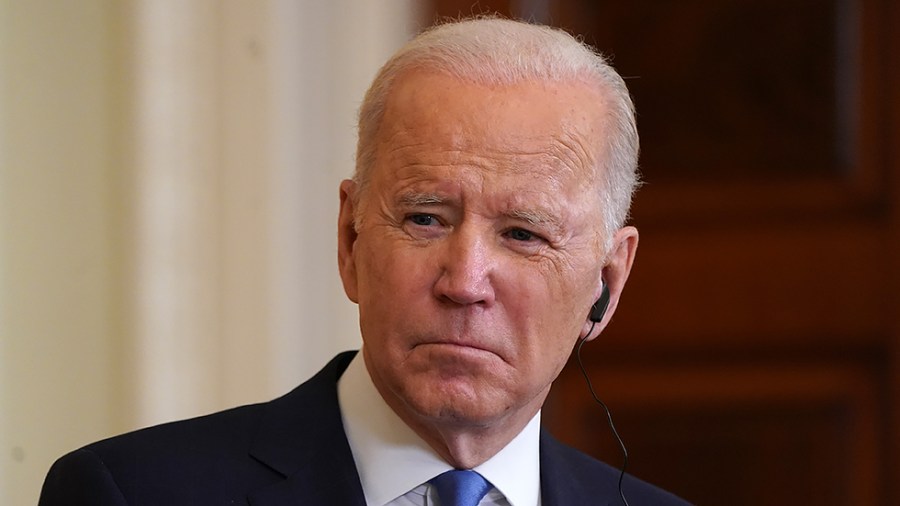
x,y
467,264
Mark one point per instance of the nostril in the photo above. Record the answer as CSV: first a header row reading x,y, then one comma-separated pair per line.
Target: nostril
x,y
465,286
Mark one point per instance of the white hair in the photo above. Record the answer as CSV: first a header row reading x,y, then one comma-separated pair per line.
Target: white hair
x,y
494,52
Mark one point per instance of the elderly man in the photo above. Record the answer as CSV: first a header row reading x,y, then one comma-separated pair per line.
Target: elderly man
x,y
482,236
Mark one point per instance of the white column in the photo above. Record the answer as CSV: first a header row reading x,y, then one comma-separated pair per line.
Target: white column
x,y
244,127
177,218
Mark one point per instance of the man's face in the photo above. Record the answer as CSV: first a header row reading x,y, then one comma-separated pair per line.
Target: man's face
x,y
480,248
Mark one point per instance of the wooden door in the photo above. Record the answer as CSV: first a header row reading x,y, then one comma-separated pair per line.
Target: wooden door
x,y
754,357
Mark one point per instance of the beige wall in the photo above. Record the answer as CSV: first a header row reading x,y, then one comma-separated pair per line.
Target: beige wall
x,y
59,244
168,175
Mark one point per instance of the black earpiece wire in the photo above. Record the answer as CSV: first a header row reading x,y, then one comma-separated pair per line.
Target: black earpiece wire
x,y
609,419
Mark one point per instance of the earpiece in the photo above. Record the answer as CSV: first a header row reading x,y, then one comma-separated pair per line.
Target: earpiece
x,y
599,307
598,310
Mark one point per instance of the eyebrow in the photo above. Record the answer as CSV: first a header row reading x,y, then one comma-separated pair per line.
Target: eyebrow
x,y
414,199
536,217
533,217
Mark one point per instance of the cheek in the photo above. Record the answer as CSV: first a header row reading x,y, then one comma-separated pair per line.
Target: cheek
x,y
562,295
393,283
550,309
388,272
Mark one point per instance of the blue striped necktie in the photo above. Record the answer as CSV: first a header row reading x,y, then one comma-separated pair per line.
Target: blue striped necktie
x,y
460,488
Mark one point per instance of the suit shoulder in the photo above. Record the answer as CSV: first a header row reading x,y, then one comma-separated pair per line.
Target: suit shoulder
x,y
589,477
214,459
233,426
204,459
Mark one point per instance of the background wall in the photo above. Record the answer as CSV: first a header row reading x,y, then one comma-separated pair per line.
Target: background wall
x,y
168,196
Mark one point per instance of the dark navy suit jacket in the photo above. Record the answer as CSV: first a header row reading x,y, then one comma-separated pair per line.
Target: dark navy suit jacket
x,y
291,450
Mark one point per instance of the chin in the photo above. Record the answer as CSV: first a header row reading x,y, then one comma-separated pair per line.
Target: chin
x,y
456,402
452,414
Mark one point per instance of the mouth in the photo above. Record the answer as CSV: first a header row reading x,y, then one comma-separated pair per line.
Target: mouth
x,y
455,347
459,345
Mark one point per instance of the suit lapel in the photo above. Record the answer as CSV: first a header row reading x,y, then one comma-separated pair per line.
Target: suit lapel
x,y
301,436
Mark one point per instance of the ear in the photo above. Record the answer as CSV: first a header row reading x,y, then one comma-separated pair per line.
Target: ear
x,y
347,236
614,274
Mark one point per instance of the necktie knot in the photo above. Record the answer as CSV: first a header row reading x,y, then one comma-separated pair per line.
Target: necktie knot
x,y
460,488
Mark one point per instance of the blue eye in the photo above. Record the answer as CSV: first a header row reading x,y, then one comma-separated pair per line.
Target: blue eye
x,y
423,220
517,234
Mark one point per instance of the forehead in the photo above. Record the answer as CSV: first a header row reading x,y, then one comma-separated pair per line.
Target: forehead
x,y
549,128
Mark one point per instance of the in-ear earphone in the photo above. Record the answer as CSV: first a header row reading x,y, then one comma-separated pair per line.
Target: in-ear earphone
x,y
599,307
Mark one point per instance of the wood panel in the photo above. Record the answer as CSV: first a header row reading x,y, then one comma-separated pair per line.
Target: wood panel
x,y
890,100
754,77
737,432
775,285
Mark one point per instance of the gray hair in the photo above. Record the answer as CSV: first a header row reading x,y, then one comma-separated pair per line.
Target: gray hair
x,y
495,51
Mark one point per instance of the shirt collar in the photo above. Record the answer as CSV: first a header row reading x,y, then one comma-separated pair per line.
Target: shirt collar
x,y
392,459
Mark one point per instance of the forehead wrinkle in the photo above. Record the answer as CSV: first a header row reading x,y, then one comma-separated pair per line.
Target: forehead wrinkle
x,y
410,152
515,151
571,151
553,155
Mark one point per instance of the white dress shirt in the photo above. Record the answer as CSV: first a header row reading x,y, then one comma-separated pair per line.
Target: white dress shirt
x,y
395,464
